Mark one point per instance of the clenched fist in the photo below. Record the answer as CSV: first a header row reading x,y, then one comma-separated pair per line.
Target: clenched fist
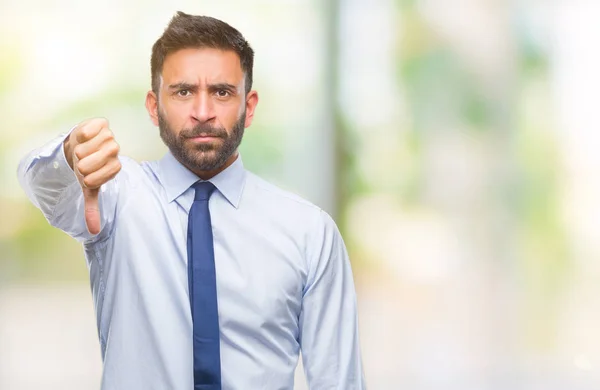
x,y
92,153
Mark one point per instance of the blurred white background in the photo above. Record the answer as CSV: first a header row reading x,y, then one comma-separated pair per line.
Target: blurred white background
x,y
454,142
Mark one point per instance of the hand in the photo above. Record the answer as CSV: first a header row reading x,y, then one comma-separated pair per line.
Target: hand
x,y
92,153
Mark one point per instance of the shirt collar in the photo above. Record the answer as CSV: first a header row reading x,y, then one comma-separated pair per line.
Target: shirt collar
x,y
176,179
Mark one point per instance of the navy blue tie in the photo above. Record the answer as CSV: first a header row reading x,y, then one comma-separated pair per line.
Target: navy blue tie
x,y
203,291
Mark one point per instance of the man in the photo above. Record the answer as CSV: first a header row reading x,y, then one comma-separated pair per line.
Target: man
x,y
203,275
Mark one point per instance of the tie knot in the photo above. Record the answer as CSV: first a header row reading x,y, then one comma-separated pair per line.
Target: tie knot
x,y
204,190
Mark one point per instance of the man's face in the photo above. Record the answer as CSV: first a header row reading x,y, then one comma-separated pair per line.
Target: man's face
x,y
202,107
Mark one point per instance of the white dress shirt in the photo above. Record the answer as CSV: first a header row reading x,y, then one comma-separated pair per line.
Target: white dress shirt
x,y
284,280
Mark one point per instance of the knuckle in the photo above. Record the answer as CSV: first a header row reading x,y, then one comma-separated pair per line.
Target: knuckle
x,y
87,132
116,167
89,182
90,128
101,121
82,124
78,151
108,133
114,148
82,168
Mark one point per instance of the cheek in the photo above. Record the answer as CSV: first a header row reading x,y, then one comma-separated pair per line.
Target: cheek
x,y
176,115
229,115
241,108
177,110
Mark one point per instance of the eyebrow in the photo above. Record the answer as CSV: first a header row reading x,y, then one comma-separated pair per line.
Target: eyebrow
x,y
183,85
229,87
211,87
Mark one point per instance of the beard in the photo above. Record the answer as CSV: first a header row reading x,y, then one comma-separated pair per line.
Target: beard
x,y
202,156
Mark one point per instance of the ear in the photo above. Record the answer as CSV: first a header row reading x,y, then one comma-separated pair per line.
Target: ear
x,y
251,102
152,107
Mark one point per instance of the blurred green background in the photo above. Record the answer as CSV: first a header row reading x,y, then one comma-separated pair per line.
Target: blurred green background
x,y
454,142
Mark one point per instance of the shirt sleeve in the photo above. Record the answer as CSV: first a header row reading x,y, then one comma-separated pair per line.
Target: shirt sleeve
x,y
51,185
328,335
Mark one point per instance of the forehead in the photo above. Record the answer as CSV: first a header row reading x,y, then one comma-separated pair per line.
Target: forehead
x,y
203,65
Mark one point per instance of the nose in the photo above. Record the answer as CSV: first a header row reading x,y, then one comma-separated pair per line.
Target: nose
x,y
203,109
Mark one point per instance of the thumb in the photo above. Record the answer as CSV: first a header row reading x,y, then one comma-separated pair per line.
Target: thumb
x,y
92,210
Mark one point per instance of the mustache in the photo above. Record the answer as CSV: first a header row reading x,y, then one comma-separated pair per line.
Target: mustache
x,y
205,130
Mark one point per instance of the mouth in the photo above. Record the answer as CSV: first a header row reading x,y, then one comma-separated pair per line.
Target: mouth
x,y
203,138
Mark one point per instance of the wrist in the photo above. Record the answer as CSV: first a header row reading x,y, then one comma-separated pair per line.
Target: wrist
x,y
68,149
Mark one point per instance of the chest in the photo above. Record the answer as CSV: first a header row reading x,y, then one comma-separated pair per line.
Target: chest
x,y
260,266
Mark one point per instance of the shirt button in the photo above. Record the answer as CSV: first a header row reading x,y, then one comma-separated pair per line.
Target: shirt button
x,y
55,165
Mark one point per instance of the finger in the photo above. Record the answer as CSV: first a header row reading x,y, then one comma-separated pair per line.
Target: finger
x,y
88,147
92,210
97,160
89,129
76,170
95,179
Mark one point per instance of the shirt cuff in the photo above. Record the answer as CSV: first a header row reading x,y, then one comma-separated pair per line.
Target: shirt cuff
x,y
54,166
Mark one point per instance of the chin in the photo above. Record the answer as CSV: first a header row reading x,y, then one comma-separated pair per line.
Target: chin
x,y
205,161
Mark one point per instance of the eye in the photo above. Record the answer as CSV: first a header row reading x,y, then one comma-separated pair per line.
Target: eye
x,y
184,93
223,93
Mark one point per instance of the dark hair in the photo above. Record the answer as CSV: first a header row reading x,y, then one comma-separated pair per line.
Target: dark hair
x,y
192,31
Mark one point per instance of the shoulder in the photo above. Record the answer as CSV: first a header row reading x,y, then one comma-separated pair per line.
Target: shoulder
x,y
271,194
289,208
284,206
